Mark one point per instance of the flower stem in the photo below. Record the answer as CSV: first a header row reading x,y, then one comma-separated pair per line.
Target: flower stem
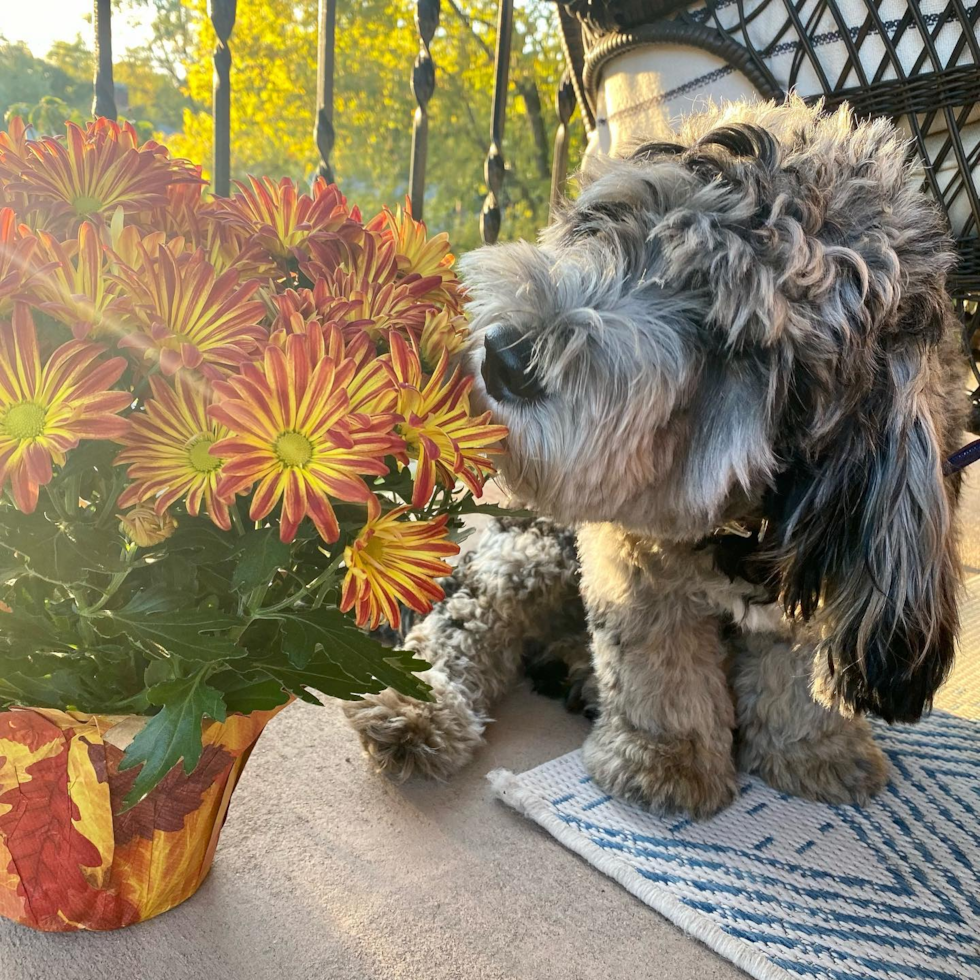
x,y
56,503
109,504
112,588
323,579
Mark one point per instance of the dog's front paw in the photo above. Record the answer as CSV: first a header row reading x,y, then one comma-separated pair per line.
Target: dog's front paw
x,y
663,773
842,766
404,737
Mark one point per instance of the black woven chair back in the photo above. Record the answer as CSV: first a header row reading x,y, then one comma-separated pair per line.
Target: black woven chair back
x,y
917,63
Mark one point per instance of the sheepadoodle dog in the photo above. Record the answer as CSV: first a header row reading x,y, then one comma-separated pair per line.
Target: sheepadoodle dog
x,y
732,369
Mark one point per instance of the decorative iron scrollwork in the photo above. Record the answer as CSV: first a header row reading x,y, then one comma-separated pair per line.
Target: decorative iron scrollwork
x,y
222,14
423,86
494,167
323,131
564,107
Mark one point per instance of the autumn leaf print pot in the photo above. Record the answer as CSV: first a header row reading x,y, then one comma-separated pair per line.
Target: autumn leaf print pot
x,y
69,859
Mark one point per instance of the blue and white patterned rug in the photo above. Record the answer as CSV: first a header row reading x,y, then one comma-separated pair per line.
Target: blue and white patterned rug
x,y
785,888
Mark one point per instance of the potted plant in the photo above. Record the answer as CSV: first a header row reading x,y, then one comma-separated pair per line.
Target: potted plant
x,y
230,435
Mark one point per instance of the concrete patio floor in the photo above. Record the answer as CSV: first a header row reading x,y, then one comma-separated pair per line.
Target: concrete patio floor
x,y
328,872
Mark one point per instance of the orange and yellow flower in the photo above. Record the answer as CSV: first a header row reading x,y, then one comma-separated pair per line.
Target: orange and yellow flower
x,y
374,261
91,172
227,246
291,435
418,256
197,223
13,148
442,333
186,316
371,389
365,306
45,410
17,246
74,286
296,313
438,429
417,253
183,213
168,450
284,221
394,563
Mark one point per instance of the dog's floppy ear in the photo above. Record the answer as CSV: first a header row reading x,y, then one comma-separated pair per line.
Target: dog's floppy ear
x,y
865,543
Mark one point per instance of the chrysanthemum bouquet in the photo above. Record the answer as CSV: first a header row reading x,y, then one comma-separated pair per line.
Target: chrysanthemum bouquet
x,y
228,427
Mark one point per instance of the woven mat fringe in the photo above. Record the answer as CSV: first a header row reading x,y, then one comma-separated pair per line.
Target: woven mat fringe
x,y
508,789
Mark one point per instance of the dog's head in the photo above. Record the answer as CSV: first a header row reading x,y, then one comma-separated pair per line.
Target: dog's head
x,y
751,319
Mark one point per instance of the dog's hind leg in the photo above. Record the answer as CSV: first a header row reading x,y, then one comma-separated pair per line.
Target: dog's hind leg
x,y
562,668
786,737
519,585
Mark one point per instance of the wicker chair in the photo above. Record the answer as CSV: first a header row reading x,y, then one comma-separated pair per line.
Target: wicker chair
x,y
916,62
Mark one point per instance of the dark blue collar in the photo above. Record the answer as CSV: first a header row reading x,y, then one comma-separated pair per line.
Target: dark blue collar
x,y
962,458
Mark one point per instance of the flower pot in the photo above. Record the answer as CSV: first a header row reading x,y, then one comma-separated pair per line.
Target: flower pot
x,y
68,859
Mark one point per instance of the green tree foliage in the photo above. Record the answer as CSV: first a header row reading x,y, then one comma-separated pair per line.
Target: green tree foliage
x,y
44,91
169,81
58,87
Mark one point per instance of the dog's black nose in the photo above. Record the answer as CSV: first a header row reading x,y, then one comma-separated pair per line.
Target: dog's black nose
x,y
507,368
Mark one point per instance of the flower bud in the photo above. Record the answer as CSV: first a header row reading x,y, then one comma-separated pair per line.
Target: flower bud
x,y
145,527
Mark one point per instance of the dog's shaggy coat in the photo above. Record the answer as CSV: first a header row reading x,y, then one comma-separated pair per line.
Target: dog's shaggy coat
x,y
744,387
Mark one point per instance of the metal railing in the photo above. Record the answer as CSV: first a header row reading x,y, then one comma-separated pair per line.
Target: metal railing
x,y
423,81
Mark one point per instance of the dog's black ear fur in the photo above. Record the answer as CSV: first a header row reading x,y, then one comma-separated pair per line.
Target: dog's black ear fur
x,y
864,539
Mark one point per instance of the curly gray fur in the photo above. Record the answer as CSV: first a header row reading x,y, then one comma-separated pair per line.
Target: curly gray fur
x,y
516,594
746,323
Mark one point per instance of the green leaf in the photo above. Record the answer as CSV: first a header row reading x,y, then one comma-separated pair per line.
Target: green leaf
x,y
158,671
318,674
203,540
245,693
24,632
398,481
99,679
156,599
11,569
177,573
335,649
458,534
62,552
262,554
89,455
469,505
172,734
186,634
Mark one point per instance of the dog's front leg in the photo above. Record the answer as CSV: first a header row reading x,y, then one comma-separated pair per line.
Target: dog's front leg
x,y
663,739
794,743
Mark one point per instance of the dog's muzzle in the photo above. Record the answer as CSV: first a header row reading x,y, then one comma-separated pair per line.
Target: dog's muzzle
x,y
507,369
